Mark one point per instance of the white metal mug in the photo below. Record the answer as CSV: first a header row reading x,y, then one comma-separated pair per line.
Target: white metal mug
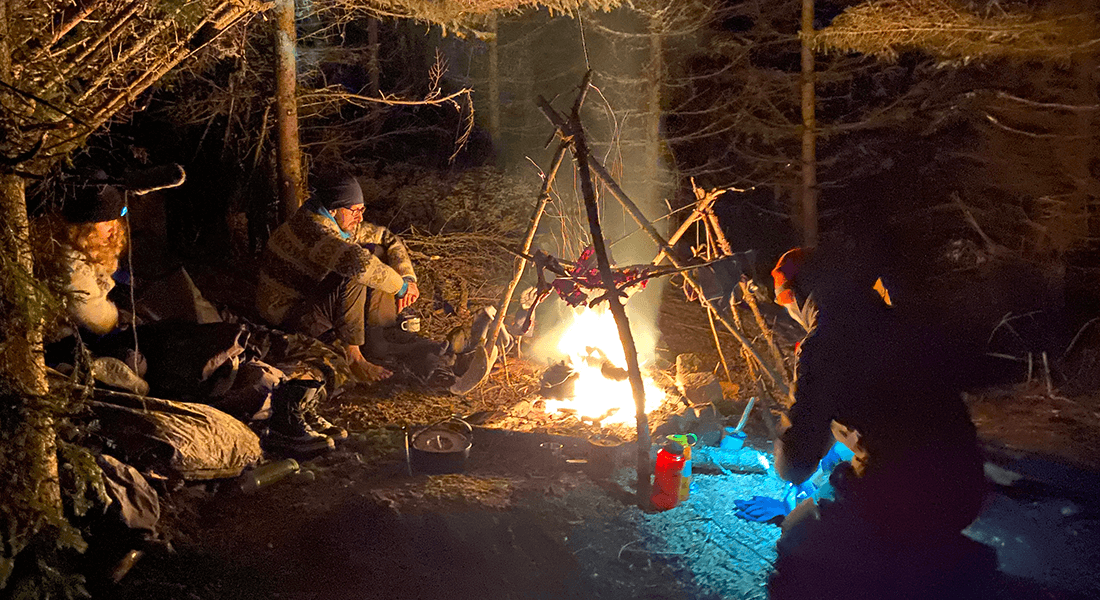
x,y
411,324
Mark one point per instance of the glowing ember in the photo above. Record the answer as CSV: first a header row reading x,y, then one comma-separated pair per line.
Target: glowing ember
x,y
593,347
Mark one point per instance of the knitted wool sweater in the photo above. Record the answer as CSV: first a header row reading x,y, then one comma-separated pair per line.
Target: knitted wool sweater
x,y
307,247
86,294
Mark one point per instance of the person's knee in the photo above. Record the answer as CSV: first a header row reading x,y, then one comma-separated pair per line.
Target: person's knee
x,y
353,294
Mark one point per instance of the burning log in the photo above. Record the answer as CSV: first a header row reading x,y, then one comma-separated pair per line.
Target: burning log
x,y
558,382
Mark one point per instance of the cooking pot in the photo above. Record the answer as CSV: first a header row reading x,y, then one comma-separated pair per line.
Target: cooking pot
x,y
441,447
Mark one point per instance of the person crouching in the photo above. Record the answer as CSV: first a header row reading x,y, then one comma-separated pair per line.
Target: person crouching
x,y
330,275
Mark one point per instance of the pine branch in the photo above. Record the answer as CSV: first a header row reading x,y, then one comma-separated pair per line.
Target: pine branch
x,y
884,28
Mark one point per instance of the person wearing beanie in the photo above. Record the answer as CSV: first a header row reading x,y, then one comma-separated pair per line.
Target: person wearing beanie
x,y
327,273
79,247
92,236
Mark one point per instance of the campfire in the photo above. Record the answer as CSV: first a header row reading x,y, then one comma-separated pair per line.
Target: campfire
x,y
591,383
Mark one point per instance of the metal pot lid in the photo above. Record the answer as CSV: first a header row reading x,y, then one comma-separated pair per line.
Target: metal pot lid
x,y
606,440
440,440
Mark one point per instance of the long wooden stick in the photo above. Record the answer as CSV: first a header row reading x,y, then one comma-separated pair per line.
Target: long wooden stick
x,y
634,373
73,20
521,262
99,42
727,250
646,226
769,335
718,345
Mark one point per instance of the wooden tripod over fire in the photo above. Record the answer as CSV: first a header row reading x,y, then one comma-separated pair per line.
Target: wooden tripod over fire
x,y
572,137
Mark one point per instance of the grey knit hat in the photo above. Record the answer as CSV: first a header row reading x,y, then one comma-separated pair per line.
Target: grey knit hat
x,y
337,190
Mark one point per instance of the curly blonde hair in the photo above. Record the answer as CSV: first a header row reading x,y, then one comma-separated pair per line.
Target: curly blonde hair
x,y
101,252
55,236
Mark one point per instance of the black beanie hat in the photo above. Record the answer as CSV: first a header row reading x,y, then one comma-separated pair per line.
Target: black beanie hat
x,y
94,203
337,190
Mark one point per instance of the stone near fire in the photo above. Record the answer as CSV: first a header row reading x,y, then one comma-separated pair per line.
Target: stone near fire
x,y
688,363
730,389
695,380
699,388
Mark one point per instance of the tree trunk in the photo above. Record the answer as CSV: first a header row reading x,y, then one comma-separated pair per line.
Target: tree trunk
x,y
653,104
808,190
494,89
288,152
37,485
374,68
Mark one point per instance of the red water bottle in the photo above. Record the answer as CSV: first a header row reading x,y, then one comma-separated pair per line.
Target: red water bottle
x,y
666,477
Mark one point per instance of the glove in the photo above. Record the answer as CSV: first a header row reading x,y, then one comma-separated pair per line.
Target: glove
x,y
836,455
761,509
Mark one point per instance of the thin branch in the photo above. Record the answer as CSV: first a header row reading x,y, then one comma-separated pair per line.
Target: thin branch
x,y
1078,336
390,101
1029,134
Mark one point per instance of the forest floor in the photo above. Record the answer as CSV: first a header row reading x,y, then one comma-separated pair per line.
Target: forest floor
x,y
521,522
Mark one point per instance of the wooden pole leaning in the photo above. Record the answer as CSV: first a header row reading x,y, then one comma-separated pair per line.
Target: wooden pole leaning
x,y
727,250
521,262
639,218
573,133
481,368
701,207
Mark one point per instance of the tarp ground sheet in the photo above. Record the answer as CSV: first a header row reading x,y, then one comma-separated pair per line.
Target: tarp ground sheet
x,y
725,556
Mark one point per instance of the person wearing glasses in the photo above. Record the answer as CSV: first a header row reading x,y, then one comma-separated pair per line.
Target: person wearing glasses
x,y
329,274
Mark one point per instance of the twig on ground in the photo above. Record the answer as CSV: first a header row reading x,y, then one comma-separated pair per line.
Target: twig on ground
x,y
620,557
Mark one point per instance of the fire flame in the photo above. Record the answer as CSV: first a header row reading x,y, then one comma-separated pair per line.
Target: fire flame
x,y
597,397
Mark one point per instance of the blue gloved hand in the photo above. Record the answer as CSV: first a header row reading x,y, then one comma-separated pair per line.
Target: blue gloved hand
x,y
761,509
836,455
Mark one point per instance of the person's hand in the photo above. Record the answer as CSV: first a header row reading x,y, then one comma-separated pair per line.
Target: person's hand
x,y
136,361
761,509
411,294
803,490
834,457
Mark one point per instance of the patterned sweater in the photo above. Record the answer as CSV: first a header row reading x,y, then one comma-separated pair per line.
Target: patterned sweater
x,y
305,249
86,292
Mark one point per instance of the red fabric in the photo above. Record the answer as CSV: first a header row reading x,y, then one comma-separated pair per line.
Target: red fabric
x,y
784,274
586,276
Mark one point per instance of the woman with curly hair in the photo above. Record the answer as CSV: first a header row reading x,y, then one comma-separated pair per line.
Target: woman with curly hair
x,y
87,239
81,248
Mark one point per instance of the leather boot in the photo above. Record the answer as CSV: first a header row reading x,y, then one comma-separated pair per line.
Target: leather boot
x,y
288,430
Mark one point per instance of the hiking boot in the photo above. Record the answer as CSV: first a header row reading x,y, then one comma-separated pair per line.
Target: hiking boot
x,y
324,427
287,429
112,372
442,378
